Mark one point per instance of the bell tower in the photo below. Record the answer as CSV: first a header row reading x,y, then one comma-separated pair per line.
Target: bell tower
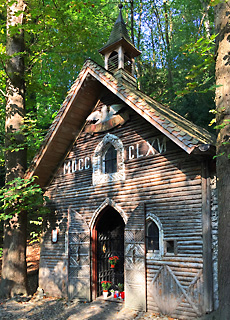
x,y
119,51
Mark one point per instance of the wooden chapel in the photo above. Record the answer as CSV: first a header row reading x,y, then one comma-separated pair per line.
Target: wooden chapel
x,y
127,176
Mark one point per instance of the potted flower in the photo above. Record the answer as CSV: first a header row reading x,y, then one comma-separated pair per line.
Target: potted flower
x,y
113,260
121,291
122,295
120,287
116,294
105,285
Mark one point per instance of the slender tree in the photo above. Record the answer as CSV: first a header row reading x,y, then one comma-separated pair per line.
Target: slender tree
x,y
222,23
168,47
14,251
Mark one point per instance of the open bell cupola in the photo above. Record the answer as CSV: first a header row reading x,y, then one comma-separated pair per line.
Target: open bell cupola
x,y
119,51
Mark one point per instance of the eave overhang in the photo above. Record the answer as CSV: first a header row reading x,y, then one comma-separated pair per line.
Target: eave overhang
x,y
133,52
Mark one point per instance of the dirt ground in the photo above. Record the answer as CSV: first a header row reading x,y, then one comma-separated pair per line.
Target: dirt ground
x,y
52,309
35,307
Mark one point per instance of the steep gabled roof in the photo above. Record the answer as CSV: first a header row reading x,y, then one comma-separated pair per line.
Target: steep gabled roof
x,y
78,105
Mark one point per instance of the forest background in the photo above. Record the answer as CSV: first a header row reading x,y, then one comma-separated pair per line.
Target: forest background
x,y
176,67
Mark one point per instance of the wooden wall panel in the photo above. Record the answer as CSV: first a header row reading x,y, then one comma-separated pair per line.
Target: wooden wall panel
x,y
187,276
170,185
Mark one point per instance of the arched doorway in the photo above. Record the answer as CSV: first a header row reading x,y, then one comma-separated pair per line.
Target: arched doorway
x,y
108,241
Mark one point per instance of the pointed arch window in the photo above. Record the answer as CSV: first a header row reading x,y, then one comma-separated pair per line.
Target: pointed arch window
x,y
154,237
110,160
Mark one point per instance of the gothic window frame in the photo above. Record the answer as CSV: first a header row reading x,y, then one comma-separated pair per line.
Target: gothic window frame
x,y
99,174
157,254
109,162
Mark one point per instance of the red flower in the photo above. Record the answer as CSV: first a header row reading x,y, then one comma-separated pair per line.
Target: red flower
x,y
106,284
113,260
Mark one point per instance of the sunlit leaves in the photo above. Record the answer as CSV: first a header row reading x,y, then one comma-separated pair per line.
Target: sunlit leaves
x,y
21,195
225,123
172,54
59,36
213,3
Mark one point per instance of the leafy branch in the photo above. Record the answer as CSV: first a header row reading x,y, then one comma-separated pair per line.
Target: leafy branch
x,y
203,48
21,195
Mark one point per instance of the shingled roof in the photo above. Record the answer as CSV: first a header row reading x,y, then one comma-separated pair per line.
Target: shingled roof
x,y
79,103
119,34
119,31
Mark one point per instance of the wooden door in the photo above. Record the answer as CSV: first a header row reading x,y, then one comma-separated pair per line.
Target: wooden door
x,y
173,298
135,266
79,257
108,241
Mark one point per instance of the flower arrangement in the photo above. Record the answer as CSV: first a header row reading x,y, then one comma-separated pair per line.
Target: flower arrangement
x,y
113,260
106,285
120,287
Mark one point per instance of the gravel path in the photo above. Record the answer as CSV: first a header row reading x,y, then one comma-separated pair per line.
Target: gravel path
x,y
52,309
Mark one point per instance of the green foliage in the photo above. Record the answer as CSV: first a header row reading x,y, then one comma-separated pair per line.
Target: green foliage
x,y
34,132
120,287
21,195
201,75
61,34
35,232
177,62
106,285
224,124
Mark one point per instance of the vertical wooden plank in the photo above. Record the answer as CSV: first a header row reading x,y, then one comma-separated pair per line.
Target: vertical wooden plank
x,y
94,264
79,257
207,240
135,265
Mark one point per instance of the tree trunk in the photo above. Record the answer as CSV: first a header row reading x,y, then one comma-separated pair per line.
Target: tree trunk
x,y
222,16
168,49
138,59
14,250
205,18
132,20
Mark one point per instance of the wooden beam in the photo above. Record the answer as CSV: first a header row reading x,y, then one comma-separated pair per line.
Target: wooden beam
x,y
94,263
207,239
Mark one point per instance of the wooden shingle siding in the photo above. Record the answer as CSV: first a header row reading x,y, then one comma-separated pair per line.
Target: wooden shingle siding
x,y
54,258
